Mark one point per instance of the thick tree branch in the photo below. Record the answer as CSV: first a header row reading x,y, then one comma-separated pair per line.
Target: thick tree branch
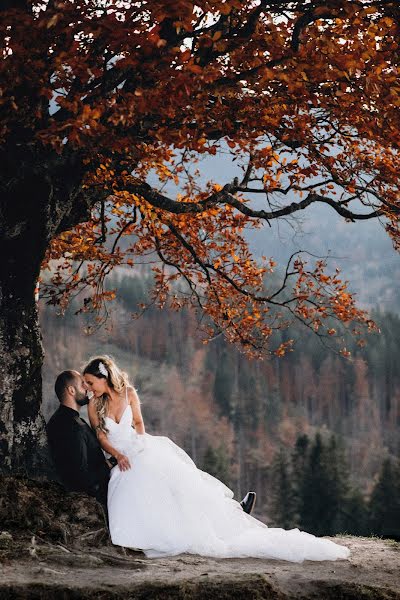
x,y
225,196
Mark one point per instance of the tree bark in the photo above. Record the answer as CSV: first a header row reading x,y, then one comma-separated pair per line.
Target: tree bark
x,y
22,432
35,205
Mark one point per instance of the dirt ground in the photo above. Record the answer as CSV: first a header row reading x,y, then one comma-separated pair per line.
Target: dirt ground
x,y
39,569
54,545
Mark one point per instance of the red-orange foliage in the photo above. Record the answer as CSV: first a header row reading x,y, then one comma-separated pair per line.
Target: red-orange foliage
x,y
304,94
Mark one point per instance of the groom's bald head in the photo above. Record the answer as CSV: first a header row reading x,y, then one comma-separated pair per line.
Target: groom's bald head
x,y
65,379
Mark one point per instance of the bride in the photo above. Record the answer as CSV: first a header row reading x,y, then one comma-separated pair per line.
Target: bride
x,y
161,503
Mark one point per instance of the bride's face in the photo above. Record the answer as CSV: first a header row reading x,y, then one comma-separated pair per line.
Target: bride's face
x,y
97,385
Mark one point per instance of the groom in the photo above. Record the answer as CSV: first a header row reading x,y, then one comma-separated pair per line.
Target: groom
x,y
77,454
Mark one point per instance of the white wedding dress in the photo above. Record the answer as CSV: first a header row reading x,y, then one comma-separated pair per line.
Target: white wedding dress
x,y
165,506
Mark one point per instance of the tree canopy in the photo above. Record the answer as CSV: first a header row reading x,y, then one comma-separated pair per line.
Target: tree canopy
x,y
98,96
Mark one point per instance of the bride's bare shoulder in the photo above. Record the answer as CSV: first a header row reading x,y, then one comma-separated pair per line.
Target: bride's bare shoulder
x,y
132,394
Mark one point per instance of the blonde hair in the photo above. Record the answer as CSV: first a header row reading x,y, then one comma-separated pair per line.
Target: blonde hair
x,y
104,367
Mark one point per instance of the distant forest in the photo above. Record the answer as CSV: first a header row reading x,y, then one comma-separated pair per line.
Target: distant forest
x,y
245,421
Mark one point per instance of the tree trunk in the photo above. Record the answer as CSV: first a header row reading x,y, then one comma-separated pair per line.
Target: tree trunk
x,y
35,205
22,432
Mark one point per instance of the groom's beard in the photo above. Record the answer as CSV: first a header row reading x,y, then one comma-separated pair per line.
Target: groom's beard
x,y
82,400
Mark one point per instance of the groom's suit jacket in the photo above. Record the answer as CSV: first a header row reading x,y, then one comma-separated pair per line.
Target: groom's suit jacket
x,y
77,454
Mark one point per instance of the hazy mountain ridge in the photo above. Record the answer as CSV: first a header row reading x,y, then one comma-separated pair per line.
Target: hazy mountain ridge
x,y
363,252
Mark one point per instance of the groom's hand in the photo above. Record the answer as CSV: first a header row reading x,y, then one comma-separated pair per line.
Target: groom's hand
x,y
123,462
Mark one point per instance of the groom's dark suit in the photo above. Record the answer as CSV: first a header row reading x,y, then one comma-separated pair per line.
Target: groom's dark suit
x,y
77,454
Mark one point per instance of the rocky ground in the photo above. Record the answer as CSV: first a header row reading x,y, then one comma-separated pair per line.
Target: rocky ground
x,y
54,545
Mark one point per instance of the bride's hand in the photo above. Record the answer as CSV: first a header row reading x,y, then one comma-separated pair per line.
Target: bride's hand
x,y
123,462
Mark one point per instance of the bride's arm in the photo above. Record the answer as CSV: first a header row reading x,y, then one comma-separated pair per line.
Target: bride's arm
x,y
137,414
123,461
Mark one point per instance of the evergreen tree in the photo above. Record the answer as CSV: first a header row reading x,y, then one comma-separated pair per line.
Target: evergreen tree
x,y
300,457
215,462
311,509
355,514
282,492
325,502
323,490
384,504
224,383
337,482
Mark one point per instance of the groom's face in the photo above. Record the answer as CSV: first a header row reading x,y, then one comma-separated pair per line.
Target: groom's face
x,y
81,391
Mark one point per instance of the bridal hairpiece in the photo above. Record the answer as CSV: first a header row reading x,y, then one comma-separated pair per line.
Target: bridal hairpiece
x,y
102,369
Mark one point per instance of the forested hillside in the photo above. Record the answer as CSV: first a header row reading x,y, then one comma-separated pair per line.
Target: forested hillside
x,y
235,416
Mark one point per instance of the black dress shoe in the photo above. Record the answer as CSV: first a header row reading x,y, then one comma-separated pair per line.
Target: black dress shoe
x,y
248,502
